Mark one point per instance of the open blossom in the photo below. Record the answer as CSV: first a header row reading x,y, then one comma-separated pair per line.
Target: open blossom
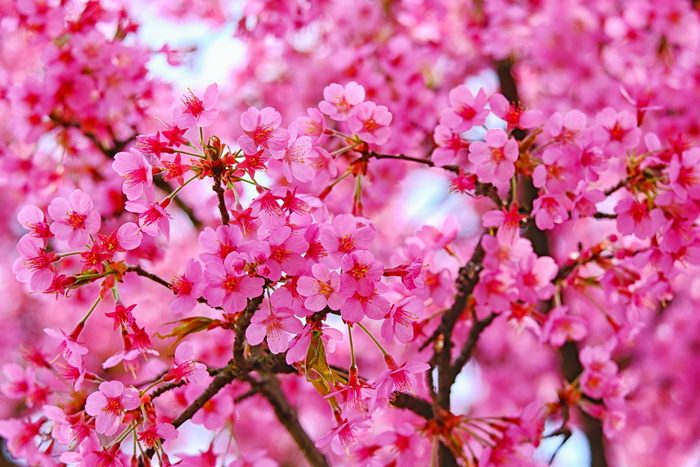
x,y
400,321
227,287
188,288
513,114
199,112
339,102
285,253
261,130
136,171
495,158
74,218
34,265
321,290
366,301
296,159
449,145
345,237
561,327
359,267
466,111
33,219
153,434
152,216
109,404
636,218
276,325
185,368
400,378
371,122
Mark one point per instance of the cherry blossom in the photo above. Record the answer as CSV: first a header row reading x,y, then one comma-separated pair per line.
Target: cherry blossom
x,y
74,219
199,112
108,405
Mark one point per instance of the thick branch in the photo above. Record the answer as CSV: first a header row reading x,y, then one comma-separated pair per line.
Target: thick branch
x,y
229,373
270,389
467,279
470,346
418,406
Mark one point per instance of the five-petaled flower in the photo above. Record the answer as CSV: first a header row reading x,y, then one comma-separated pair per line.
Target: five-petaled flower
x,y
109,404
74,218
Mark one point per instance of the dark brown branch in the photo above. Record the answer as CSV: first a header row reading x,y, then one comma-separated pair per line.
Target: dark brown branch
x,y
229,373
219,190
470,346
418,406
270,389
466,280
141,272
241,327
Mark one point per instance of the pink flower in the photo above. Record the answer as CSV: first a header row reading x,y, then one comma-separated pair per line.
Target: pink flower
x,y
229,288
400,321
345,237
175,169
366,301
359,267
495,158
561,327
558,171
339,102
467,110
122,316
152,216
217,244
200,112
617,131
507,221
188,288
136,171
636,218
260,128
185,368
371,122
296,159
313,126
153,434
684,174
32,218
276,325
566,128
75,219
103,458
108,405
550,210
285,253
34,265
400,378
514,115
534,278
495,290
449,145
321,290
344,436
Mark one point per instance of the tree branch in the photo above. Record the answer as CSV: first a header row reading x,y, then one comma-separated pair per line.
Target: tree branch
x,y
270,389
470,346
